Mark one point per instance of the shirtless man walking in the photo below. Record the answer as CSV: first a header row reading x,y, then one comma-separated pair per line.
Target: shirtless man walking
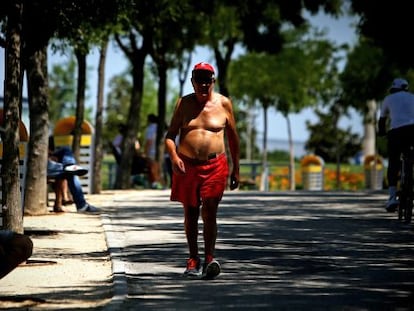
x,y
199,162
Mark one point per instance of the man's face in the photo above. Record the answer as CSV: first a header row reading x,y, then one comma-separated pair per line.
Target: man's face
x,y
203,82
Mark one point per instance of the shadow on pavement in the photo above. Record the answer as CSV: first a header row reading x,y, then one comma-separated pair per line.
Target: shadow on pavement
x,y
279,251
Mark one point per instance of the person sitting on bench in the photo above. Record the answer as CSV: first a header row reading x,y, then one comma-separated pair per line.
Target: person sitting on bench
x,y
62,165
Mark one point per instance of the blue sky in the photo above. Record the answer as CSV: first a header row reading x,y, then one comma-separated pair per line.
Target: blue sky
x,y
339,30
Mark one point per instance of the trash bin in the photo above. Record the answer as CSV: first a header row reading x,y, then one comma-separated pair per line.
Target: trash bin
x,y
312,172
374,172
24,139
62,135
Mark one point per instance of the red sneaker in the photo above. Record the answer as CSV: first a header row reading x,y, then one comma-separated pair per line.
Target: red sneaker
x,y
193,267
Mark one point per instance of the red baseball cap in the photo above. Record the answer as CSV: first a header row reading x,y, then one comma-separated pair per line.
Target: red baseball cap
x,y
204,66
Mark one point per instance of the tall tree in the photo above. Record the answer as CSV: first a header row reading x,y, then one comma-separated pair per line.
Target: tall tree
x,y
11,202
223,35
328,141
119,99
279,81
148,32
41,21
98,142
39,24
364,79
136,55
181,19
34,33
257,26
84,25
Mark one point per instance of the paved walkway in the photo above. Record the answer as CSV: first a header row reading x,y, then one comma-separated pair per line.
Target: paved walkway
x,y
279,251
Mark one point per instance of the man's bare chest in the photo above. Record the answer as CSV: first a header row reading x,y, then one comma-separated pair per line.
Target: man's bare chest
x,y
206,118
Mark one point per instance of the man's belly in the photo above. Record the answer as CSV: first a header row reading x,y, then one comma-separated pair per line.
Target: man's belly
x,y
200,144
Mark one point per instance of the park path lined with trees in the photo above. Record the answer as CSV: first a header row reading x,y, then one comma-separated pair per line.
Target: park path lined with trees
x,y
166,32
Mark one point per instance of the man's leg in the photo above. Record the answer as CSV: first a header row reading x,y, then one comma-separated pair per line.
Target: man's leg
x,y
191,215
75,188
58,189
209,215
66,197
211,267
394,167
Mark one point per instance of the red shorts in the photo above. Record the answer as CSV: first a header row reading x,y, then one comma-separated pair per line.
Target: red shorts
x,y
202,180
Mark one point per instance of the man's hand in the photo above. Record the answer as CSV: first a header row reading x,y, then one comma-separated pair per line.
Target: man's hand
x,y
234,182
178,166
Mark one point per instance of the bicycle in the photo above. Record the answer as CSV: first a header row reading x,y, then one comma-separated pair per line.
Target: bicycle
x,y
406,193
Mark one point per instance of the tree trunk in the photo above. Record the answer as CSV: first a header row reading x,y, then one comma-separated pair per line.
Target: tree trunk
x,y
36,179
137,57
183,69
80,103
98,149
264,184
11,200
292,181
124,172
162,104
223,62
368,144
249,131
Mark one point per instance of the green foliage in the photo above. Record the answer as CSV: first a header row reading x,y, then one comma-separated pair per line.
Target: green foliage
x,y
118,101
62,90
279,79
245,127
263,21
278,156
328,141
366,76
82,24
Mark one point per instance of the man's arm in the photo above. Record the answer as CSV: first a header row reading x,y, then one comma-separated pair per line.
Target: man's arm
x,y
172,132
234,145
170,137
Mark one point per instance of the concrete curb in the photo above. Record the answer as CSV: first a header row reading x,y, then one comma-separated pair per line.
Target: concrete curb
x,y
120,286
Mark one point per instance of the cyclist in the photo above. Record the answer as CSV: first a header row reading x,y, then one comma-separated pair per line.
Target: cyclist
x,y
398,106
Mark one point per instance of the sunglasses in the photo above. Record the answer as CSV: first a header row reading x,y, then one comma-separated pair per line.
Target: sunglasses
x,y
202,80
